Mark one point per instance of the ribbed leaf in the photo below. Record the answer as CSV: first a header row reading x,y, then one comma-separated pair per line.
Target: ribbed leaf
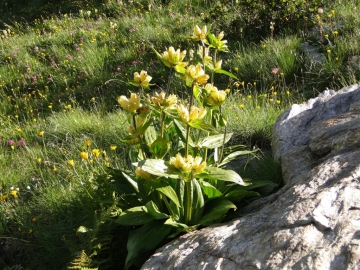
x,y
200,124
134,216
209,190
158,167
237,195
214,141
221,71
234,155
154,211
180,130
143,241
221,174
160,147
216,210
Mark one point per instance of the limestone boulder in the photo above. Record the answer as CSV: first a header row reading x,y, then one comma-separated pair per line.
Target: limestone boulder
x,y
313,222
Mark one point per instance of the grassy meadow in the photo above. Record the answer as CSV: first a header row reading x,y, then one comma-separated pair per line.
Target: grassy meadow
x,y
63,66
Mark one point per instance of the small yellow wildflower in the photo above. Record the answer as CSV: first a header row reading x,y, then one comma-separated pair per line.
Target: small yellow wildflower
x,y
328,51
95,152
71,163
113,147
34,219
241,106
13,193
55,169
41,133
88,143
278,102
39,160
84,155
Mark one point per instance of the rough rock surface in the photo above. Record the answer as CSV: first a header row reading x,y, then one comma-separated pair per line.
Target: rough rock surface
x,y
313,222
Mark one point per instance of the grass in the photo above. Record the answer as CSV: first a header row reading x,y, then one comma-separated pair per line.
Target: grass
x,y
62,72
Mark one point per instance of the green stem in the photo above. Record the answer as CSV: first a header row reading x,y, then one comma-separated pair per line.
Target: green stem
x,y
140,138
208,133
169,82
168,205
188,127
213,73
223,144
162,117
188,206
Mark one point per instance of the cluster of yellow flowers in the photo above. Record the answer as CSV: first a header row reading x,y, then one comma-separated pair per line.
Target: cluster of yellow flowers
x,y
188,164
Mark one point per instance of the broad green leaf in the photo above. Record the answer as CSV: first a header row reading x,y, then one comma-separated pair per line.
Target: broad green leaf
x,y
197,94
165,188
134,216
180,130
221,174
158,167
131,181
141,130
169,192
198,202
200,124
210,66
180,227
216,210
160,147
122,182
150,135
209,190
180,69
214,141
154,211
237,195
234,155
142,242
221,71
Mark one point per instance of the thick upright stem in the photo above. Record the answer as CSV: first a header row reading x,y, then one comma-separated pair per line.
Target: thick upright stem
x,y
140,138
162,117
223,144
169,82
188,206
188,127
213,73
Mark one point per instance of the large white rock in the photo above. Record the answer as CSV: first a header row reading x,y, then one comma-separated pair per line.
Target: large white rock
x,y
313,222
